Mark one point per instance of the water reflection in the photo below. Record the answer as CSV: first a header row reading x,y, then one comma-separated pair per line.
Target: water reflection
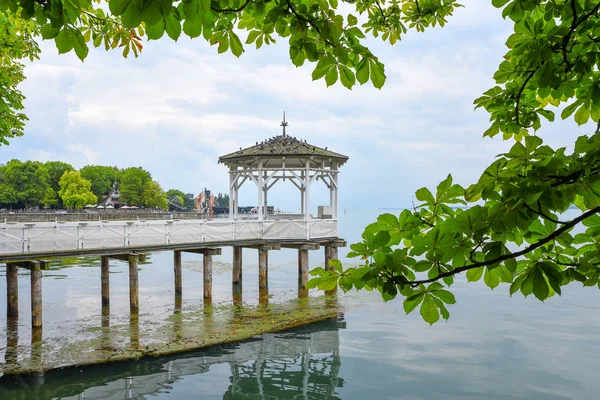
x,y
301,363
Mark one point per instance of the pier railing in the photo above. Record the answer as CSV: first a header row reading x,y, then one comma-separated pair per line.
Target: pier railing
x,y
23,238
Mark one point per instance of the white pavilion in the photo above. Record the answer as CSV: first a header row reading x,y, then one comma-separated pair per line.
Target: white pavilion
x,y
281,158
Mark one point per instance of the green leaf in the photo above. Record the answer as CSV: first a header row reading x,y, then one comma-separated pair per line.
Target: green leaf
x,y
132,17
362,71
252,36
474,274
540,286
429,311
446,296
410,303
236,45
172,26
331,77
64,41
192,27
346,76
352,20
81,48
425,195
49,32
582,115
499,3
156,31
491,279
377,74
118,7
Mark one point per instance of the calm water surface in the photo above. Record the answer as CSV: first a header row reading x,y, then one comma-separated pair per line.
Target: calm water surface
x,y
492,347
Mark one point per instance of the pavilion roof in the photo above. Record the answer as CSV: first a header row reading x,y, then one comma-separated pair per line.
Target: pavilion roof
x,y
280,146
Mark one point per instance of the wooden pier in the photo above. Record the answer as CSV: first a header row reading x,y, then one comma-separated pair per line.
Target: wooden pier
x,y
32,245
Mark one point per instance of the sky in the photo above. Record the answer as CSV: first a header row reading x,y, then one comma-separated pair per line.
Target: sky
x,y
180,105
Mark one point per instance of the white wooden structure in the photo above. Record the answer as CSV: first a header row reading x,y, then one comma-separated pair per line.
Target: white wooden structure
x,y
284,158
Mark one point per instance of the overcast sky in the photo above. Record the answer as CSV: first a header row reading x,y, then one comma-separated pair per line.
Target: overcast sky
x,y
179,106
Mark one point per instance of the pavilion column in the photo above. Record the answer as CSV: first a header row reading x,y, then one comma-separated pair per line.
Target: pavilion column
x,y
235,201
12,290
335,204
307,199
259,206
231,196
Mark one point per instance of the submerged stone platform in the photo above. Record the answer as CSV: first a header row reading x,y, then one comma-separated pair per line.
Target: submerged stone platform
x,y
181,332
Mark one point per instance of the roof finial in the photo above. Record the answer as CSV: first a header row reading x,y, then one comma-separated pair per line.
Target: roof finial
x,y
284,123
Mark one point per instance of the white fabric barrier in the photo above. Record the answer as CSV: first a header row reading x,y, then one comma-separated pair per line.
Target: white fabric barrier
x,y
146,234
102,236
185,232
247,230
323,228
11,240
51,236
217,231
48,238
284,229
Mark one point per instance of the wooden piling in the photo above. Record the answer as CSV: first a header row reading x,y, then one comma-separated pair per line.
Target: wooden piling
x,y
236,292
263,296
133,284
331,253
302,268
236,278
104,271
207,276
12,290
36,295
177,270
263,268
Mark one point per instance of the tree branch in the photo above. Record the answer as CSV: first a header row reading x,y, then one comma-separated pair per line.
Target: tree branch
x,y
545,216
575,23
231,10
518,101
508,256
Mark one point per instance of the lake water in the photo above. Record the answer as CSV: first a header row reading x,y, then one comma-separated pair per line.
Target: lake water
x,y
493,346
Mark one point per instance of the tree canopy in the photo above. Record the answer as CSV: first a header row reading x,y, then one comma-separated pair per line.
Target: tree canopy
x,y
75,191
506,228
102,178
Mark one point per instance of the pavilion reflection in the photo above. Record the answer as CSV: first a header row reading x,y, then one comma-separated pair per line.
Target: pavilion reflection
x,y
301,363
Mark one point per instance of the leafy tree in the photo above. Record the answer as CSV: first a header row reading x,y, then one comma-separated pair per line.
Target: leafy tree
x,y
509,227
55,169
8,195
183,199
16,43
29,180
102,178
222,199
154,196
76,191
133,183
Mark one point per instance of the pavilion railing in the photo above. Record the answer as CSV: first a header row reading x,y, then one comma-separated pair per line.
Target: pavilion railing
x,y
68,236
